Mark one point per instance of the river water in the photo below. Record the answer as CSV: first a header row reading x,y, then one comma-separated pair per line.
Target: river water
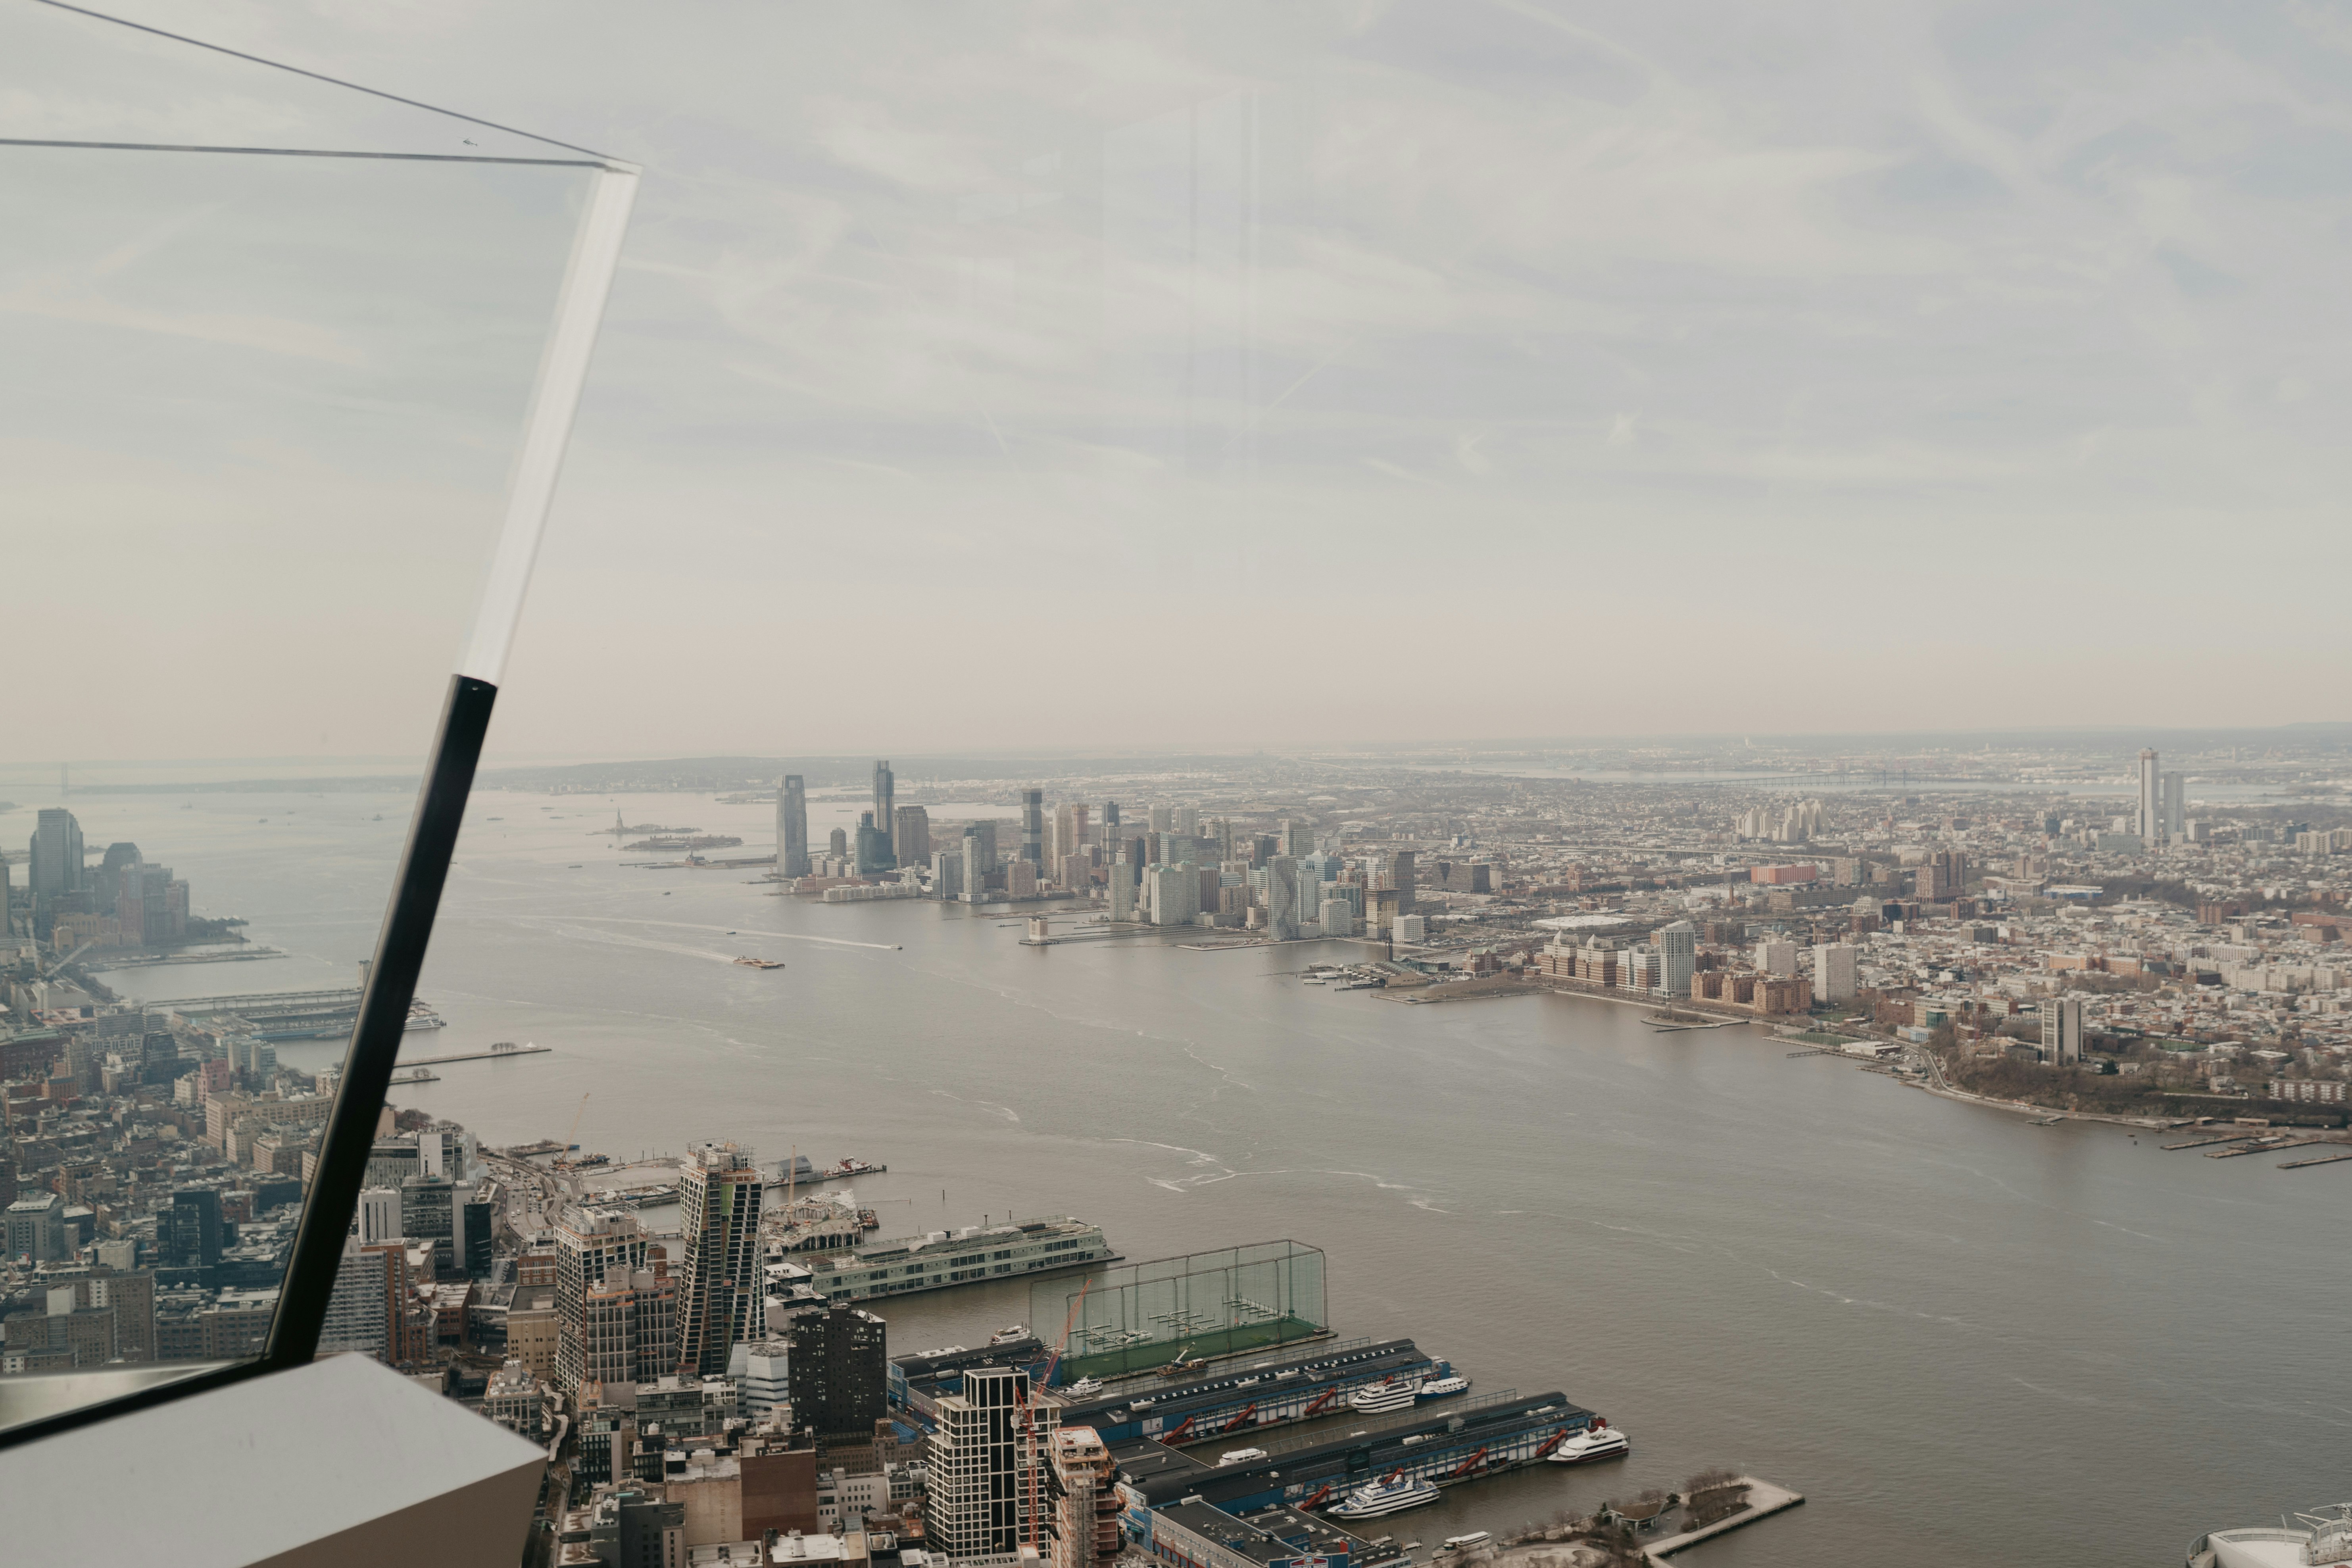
x,y
1965,1338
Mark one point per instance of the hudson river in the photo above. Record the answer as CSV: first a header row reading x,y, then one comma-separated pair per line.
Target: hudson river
x,y
1966,1339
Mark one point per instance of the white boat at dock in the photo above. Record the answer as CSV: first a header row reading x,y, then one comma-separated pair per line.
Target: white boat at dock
x,y
1598,1441
1383,1498
1380,1398
1439,1387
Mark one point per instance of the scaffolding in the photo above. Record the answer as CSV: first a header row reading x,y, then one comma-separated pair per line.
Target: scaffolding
x,y
1140,1316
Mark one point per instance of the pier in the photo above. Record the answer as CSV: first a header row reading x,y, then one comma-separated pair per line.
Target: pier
x,y
498,1052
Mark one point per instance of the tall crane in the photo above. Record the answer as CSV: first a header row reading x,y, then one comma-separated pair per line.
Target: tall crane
x,y
564,1162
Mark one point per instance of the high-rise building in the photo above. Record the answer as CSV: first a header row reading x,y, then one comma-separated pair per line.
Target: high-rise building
x,y
1122,890
1160,819
2176,808
1339,918
840,1371
1833,964
1281,899
911,836
719,1283
1072,834
36,1228
1298,838
378,1218
1109,827
792,827
986,1493
762,1375
1185,820
1033,826
836,844
1678,957
874,855
885,802
1776,956
2062,1030
57,862
592,1245
1088,1500
629,1325
979,860
189,1232
1175,894
2151,817
947,874
360,1311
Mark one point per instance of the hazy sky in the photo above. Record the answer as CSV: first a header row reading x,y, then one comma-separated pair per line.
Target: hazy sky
x,y
990,376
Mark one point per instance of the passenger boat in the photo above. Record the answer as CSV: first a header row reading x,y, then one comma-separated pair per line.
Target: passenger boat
x,y
761,962
1009,1332
1475,1539
421,1016
1381,1499
1380,1398
1084,1388
1439,1387
1240,1457
1598,1441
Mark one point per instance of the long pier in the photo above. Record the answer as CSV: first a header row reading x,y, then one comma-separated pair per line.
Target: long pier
x,y
493,1054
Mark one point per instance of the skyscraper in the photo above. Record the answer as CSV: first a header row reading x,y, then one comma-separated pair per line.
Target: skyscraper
x,y
886,798
592,1245
718,1286
1109,826
1281,899
911,836
2061,1028
1298,838
2176,808
1033,826
57,864
2151,820
979,860
792,827
1833,971
985,1494
1122,890
840,1371
1678,957
873,846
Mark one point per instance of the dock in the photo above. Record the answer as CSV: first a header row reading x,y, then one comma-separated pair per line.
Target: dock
x,y
496,1053
2315,1160
2211,1142
419,1076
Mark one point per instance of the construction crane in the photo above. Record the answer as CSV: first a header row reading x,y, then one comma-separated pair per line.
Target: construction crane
x,y
564,1162
1054,1364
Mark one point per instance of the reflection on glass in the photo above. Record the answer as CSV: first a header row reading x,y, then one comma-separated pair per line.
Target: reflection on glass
x,y
277,353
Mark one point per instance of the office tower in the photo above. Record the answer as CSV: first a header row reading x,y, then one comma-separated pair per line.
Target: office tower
x,y
378,1218
1109,827
36,1228
1087,1533
190,1230
886,802
1408,930
984,1495
1298,838
2151,820
478,1230
947,874
108,883
1281,899
429,1212
1021,879
1175,894
1122,890
57,862
1774,956
1161,819
837,844
1678,958
840,1371
911,836
873,855
592,1245
2176,808
1033,826
1072,833
1833,971
1185,820
2062,1030
1221,833
6,927
978,861
1262,848
719,1284
1339,918
792,827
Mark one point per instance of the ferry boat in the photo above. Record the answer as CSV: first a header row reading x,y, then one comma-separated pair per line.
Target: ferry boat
x,y
1085,1388
1240,1457
1439,1387
1381,1499
1471,1542
1009,1332
1598,1441
421,1016
1382,1397
761,962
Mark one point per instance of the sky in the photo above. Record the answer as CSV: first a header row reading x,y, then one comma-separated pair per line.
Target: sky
x,y
1038,375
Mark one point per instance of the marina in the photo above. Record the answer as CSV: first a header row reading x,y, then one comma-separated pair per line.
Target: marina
x,y
1275,1391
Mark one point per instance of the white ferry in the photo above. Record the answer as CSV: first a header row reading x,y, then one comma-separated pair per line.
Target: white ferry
x,y
1380,1398
1471,1542
1439,1387
1085,1387
1383,1498
421,1016
1240,1457
1598,1441
1009,1332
